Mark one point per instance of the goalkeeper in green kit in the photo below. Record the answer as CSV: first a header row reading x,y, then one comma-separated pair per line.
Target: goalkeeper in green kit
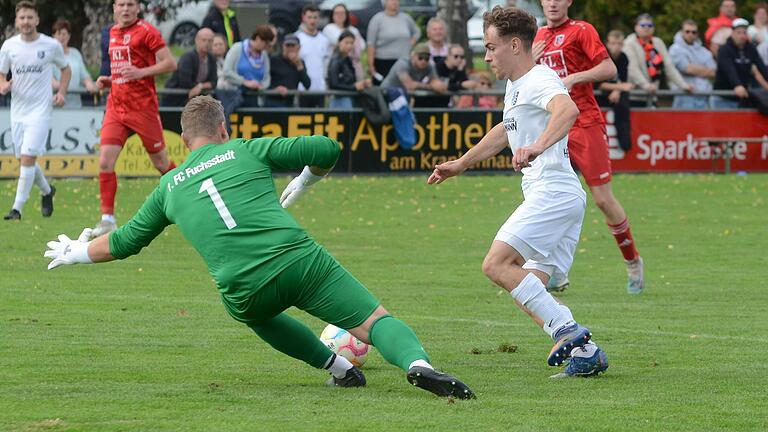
x,y
224,202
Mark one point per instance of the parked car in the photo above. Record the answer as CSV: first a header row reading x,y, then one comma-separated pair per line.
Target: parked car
x,y
181,26
475,23
361,11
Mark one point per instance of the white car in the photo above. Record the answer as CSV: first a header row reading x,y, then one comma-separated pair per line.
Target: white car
x,y
183,26
475,23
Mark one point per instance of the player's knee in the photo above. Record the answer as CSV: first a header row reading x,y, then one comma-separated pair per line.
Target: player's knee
x,y
492,267
106,164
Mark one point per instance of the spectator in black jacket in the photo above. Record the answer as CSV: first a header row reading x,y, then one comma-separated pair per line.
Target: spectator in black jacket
x,y
341,71
451,70
221,19
196,71
287,70
739,67
615,93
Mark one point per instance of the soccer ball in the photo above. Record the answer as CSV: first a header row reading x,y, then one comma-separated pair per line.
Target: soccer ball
x,y
344,344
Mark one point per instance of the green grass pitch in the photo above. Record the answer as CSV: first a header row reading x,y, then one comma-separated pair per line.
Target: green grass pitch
x,y
145,345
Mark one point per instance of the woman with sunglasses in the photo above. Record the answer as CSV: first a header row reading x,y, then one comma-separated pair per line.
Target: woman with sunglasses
x,y
649,61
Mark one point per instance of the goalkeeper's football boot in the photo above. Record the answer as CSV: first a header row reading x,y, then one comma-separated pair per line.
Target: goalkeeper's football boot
x,y
438,383
103,227
13,215
636,276
46,204
557,285
566,339
353,378
586,361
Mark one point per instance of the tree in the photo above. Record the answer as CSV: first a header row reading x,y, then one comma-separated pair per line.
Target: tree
x,y
455,14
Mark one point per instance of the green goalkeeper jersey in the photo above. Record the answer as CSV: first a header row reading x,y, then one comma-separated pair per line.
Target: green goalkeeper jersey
x,y
223,200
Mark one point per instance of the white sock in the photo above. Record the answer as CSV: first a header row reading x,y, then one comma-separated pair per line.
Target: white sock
x,y
41,181
108,218
532,294
26,180
338,366
422,363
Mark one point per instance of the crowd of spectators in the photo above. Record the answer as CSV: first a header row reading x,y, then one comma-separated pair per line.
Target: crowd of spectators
x,y
260,71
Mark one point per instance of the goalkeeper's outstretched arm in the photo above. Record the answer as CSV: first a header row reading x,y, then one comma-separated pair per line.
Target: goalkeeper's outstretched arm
x,y
66,251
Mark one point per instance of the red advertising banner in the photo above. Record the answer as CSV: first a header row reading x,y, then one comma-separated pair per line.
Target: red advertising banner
x,y
688,141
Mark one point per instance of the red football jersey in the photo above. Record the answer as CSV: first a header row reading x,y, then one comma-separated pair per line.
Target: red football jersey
x,y
134,45
575,47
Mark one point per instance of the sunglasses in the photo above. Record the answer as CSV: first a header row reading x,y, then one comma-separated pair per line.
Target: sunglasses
x,y
423,57
690,31
647,25
458,56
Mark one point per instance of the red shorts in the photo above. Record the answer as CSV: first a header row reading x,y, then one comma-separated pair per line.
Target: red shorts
x,y
588,149
146,124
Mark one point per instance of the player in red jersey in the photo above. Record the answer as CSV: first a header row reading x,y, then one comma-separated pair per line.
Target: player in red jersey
x,y
137,53
574,50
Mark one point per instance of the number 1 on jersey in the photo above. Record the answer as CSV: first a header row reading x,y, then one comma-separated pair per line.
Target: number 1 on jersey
x,y
209,187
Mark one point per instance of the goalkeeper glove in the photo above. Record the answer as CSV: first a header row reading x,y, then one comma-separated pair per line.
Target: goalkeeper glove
x,y
298,186
68,251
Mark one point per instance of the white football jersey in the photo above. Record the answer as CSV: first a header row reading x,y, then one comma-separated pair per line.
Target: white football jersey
x,y
31,65
525,118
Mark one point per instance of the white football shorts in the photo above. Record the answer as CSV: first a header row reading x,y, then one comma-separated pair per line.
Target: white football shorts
x,y
29,138
545,230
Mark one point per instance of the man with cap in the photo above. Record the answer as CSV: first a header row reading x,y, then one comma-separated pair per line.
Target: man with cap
x,y
415,73
739,67
287,71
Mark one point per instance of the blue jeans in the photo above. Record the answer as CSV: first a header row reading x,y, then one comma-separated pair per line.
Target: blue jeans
x,y
341,102
719,102
691,102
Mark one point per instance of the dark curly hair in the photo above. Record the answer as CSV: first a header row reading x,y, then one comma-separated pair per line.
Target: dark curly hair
x,y
512,22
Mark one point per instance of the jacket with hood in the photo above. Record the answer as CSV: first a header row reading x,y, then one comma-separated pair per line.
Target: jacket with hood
x,y
734,66
683,55
638,72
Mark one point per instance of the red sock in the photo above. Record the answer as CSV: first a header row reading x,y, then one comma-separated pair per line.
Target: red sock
x,y
108,189
623,236
171,166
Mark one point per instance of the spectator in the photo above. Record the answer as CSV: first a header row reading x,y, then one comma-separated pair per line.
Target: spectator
x,y
391,34
288,70
649,62
739,68
80,76
105,69
758,31
616,92
438,47
196,71
221,19
483,83
339,23
452,71
316,52
695,63
219,51
719,27
341,71
246,67
415,73
762,50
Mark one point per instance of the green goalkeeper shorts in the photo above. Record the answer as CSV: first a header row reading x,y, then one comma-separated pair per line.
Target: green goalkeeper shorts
x,y
317,284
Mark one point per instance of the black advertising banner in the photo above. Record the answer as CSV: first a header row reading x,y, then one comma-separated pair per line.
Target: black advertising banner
x,y
368,148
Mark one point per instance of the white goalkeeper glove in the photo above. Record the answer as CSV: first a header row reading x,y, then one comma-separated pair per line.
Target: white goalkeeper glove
x,y
298,186
68,251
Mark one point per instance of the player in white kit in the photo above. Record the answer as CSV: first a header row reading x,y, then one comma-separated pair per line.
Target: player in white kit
x,y
540,237
30,57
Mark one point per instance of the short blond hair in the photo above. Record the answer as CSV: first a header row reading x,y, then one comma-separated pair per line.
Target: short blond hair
x,y
202,117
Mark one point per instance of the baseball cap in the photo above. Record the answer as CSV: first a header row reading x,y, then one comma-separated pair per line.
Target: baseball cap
x,y
740,22
291,39
421,48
